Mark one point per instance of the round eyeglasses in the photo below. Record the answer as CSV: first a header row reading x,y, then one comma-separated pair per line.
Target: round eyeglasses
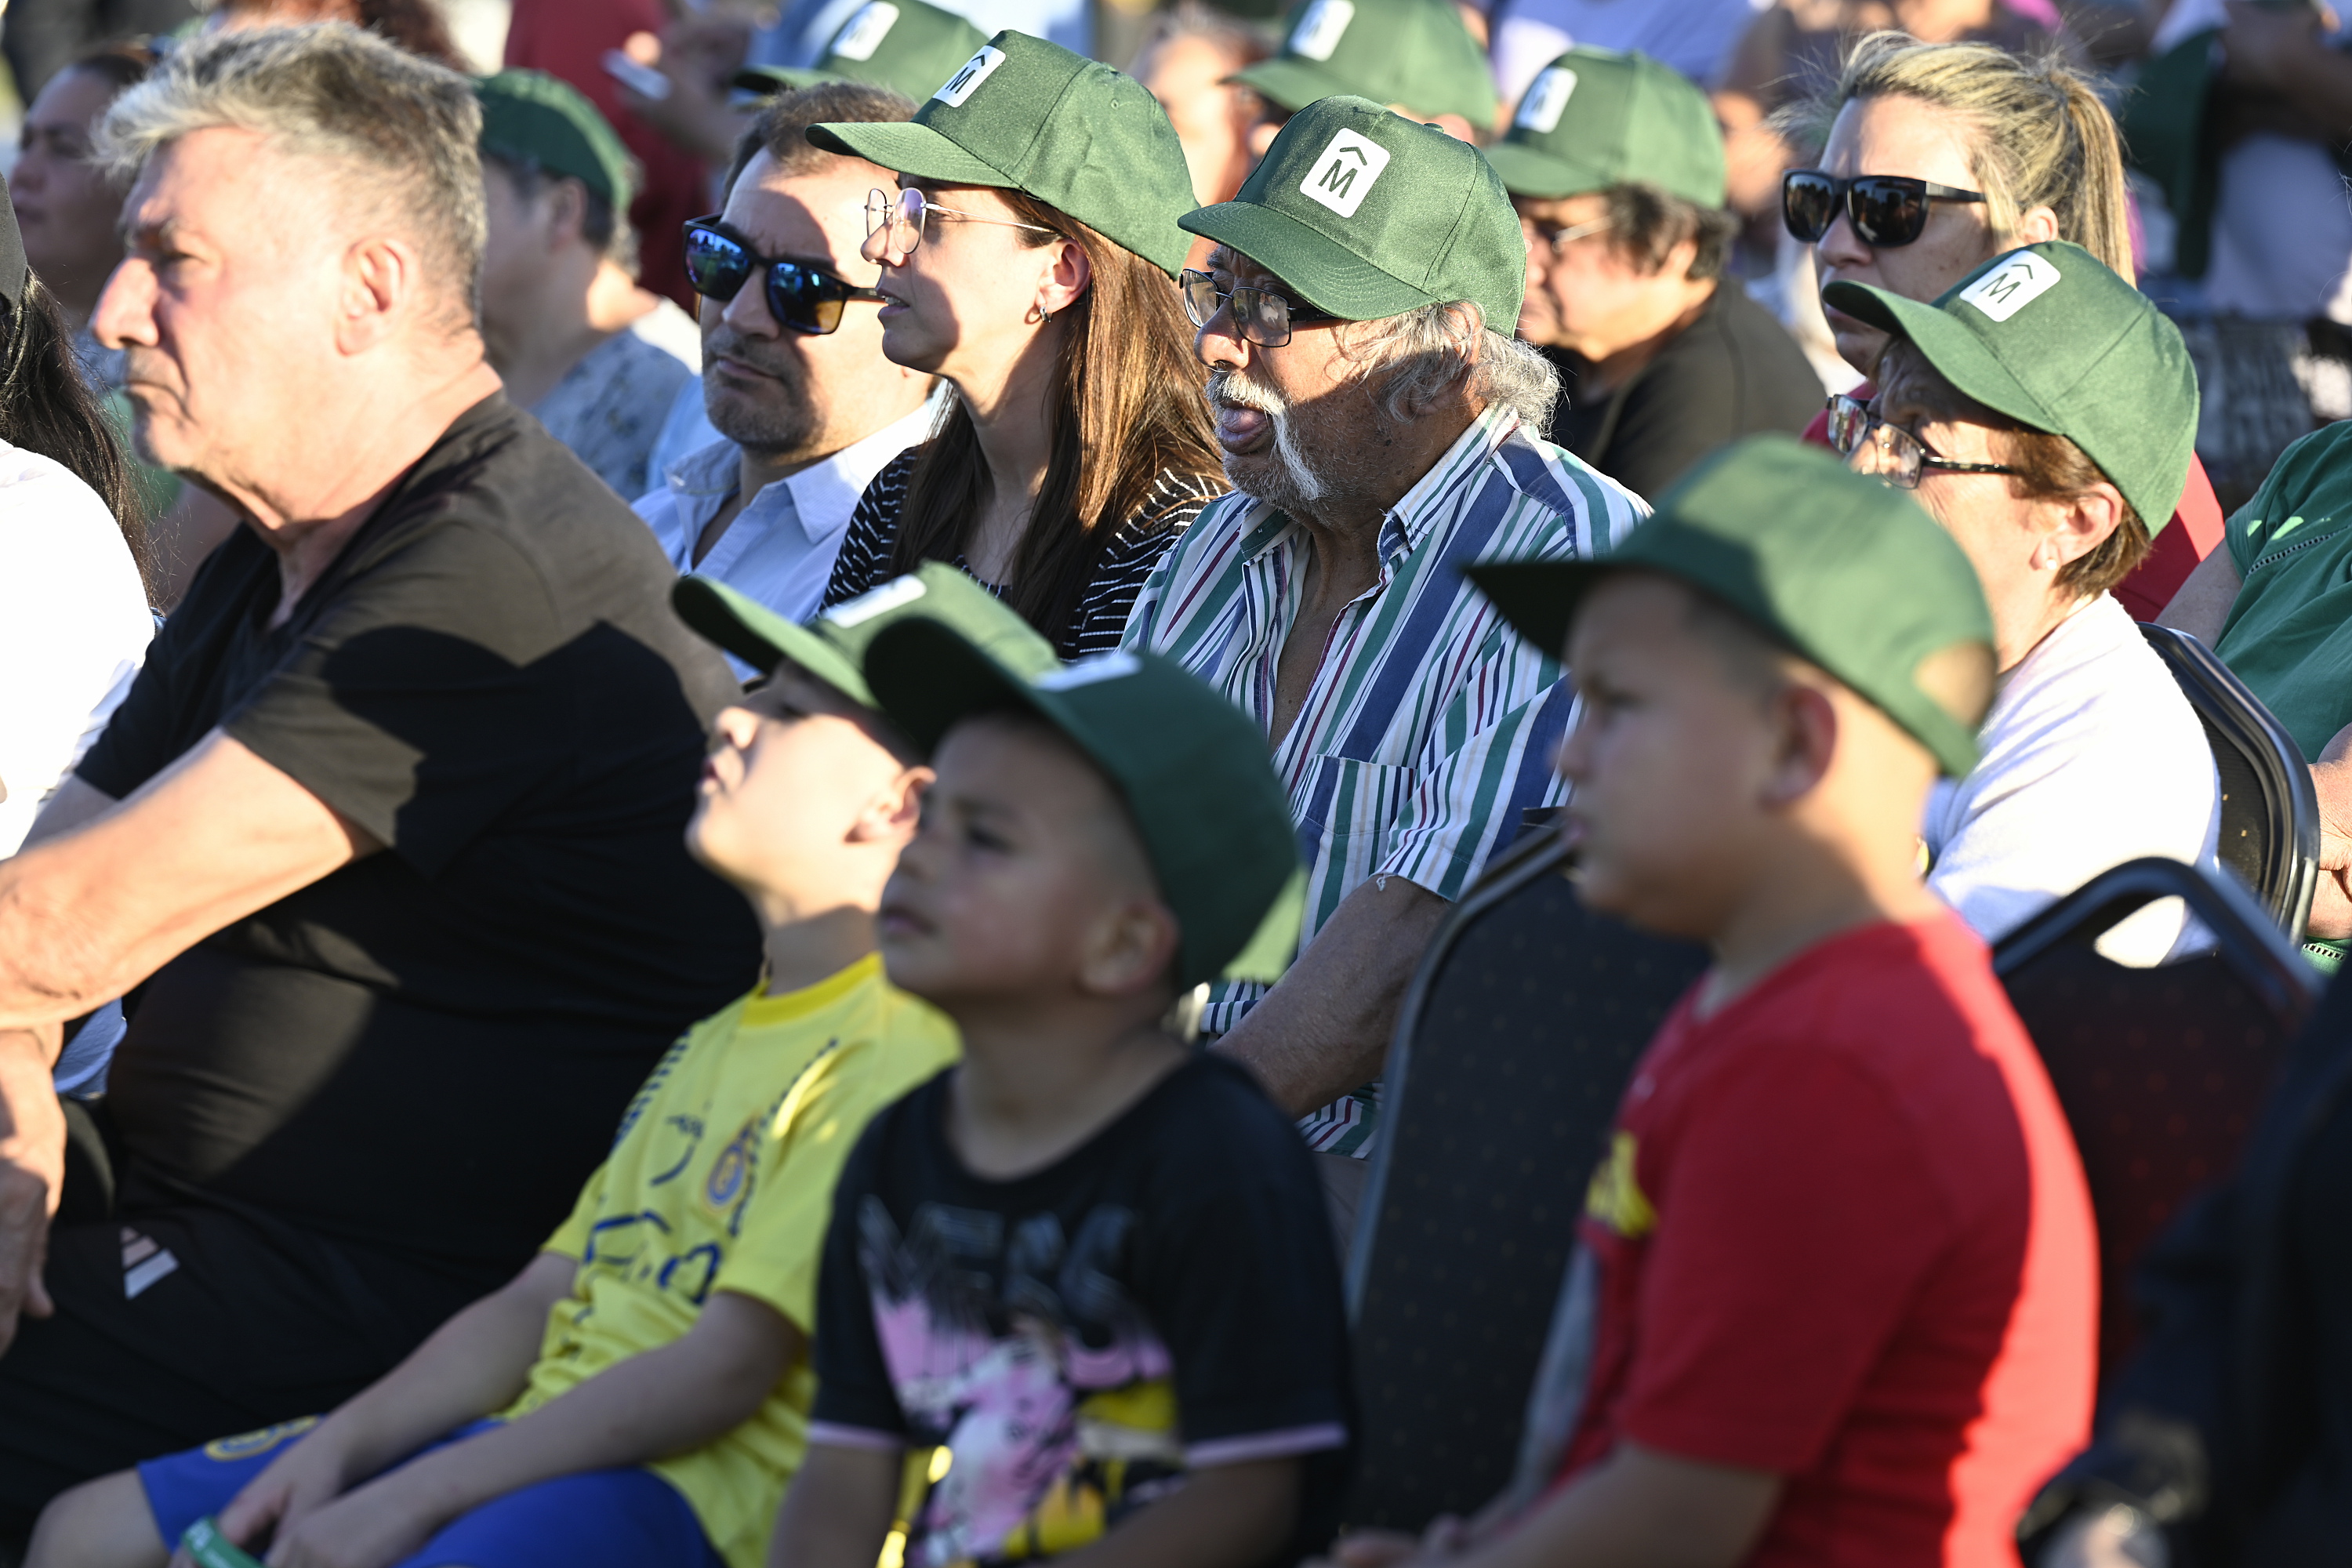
x,y
1896,457
900,219
1261,316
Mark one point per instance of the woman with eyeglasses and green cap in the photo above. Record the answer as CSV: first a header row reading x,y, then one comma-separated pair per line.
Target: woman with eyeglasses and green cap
x,y
1026,259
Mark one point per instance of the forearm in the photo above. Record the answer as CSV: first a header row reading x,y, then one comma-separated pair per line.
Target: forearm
x,y
1638,1508
1324,1030
2201,608
838,1510
1228,1517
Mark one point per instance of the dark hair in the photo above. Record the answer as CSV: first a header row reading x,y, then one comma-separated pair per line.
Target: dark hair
x,y
46,406
782,129
413,24
606,231
121,65
1126,408
1646,224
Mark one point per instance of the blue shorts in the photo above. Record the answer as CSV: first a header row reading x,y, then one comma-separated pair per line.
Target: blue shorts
x,y
596,1519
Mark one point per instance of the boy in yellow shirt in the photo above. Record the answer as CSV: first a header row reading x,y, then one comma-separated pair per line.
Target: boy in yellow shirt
x,y
640,1392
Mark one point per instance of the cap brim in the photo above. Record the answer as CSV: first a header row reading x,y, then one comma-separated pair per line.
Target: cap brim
x,y
1290,82
1311,264
927,677
1959,355
904,147
763,638
1538,598
780,78
1528,172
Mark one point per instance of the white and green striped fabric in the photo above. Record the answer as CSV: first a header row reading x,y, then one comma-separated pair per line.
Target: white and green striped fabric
x,y
1430,727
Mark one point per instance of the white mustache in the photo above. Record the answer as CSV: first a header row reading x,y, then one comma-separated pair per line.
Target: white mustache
x,y
1230,387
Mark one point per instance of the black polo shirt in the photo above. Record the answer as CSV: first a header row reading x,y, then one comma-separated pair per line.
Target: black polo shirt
x,y
427,1051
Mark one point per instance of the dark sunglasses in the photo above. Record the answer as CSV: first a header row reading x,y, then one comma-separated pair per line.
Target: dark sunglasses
x,y
1261,316
802,298
1887,210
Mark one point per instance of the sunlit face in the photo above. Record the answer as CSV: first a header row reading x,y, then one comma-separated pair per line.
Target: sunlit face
x,y
963,303
1580,285
1022,854
1212,120
1292,422
230,300
1893,135
65,206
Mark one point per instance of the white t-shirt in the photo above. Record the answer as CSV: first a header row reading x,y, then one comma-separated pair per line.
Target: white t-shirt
x,y
74,627
2091,757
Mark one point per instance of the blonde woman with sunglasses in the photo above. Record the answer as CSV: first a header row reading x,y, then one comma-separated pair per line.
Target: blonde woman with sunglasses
x,y
1027,256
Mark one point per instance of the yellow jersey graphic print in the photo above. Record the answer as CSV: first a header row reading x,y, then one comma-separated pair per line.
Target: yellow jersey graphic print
x,y
1615,1199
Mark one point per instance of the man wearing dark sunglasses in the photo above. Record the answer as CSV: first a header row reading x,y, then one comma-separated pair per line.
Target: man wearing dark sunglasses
x,y
793,379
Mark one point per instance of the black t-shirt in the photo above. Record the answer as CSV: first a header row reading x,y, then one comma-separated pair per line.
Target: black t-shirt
x,y
1733,372
427,1050
1164,1295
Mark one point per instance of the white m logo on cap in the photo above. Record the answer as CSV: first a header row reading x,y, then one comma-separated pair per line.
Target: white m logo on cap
x,y
1539,111
966,83
1343,176
1318,32
865,31
2020,280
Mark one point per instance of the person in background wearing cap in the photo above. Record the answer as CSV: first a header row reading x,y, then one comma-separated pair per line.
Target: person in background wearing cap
x,y
596,358
387,831
639,1392
2040,411
1188,60
1088,1267
805,408
1616,166
1833,1299
1417,57
1380,427
1025,259
1940,157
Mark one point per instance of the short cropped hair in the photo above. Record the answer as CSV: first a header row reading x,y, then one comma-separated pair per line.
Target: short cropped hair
x,y
1646,224
608,233
407,129
782,129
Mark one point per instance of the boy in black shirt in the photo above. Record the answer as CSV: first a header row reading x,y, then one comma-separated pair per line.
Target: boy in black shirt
x,y
1090,1267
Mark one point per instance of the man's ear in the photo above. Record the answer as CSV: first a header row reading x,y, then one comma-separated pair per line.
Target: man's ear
x,y
564,215
1805,742
1129,949
2083,523
890,817
384,277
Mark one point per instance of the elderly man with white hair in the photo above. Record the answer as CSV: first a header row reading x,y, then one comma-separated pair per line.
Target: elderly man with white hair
x,y
1380,434
384,844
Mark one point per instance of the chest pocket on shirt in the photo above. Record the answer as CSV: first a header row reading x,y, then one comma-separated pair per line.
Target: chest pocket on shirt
x,y
1345,811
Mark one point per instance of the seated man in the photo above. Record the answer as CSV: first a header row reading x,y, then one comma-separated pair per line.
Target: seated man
x,y
1616,166
661,1335
793,373
1378,430
1417,57
2276,606
595,358
1834,1295
387,832
2040,411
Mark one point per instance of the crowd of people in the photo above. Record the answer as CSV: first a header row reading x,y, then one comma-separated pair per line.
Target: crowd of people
x,y
771,937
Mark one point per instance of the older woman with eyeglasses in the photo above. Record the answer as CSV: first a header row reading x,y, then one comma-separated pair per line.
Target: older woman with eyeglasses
x,y
2039,411
1026,259
1940,157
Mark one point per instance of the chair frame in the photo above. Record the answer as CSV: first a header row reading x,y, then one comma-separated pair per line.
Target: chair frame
x,y
1540,852
2290,864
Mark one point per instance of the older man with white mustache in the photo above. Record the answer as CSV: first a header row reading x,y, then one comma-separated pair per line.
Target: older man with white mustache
x,y
1380,436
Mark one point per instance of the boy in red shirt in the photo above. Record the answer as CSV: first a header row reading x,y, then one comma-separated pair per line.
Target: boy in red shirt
x,y
1834,1302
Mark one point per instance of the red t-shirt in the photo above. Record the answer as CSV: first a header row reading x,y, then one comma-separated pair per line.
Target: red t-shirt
x,y
2179,546
1842,1236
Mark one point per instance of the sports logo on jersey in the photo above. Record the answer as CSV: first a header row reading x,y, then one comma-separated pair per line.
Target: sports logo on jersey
x,y
1615,1197
730,1173
2020,280
1539,111
1319,31
865,31
966,81
1343,176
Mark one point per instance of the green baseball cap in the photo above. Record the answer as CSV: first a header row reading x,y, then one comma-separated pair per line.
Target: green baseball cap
x,y
1597,117
1845,571
906,46
1366,215
531,117
2048,336
1195,772
1416,54
832,648
1023,114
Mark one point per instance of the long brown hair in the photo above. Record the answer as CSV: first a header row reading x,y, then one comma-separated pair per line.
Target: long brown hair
x,y
1126,408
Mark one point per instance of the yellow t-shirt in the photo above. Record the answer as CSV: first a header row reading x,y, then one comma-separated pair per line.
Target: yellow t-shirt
x,y
722,1179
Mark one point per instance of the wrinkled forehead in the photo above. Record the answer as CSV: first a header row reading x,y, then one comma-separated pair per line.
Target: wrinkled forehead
x,y
237,187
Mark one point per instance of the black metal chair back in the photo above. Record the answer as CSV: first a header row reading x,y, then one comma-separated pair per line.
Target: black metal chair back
x,y
2162,1072
2270,814
1512,1047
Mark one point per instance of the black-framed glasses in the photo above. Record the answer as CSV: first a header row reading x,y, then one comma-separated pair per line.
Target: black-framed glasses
x,y
1896,456
1887,210
802,298
1260,315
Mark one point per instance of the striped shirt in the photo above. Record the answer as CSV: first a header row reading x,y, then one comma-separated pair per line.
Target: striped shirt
x,y
1127,559
1430,725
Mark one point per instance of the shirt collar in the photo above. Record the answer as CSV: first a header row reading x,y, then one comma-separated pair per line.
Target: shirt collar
x,y
1408,522
823,495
